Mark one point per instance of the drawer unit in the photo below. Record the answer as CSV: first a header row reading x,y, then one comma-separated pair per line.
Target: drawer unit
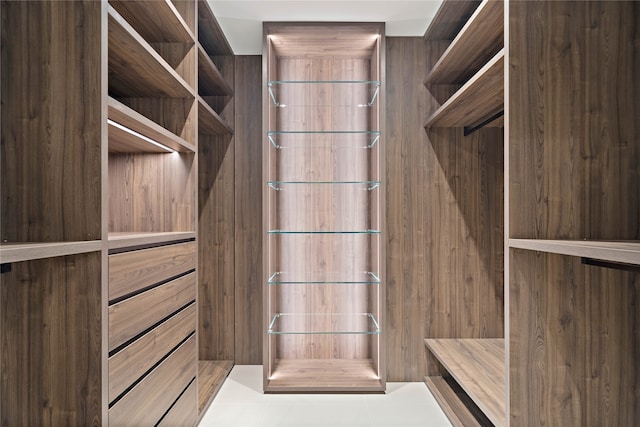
x,y
184,412
130,272
147,402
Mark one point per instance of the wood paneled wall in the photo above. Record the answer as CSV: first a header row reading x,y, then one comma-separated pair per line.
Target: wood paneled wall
x,y
444,221
574,173
230,224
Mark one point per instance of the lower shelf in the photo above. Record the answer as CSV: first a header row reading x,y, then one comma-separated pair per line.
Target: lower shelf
x,y
211,376
324,375
452,406
478,366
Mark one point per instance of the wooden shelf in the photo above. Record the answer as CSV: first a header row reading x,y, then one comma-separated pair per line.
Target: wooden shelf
x,y
627,252
450,18
478,366
157,21
211,376
210,81
16,252
459,415
121,240
309,375
209,32
209,122
479,98
132,61
124,142
475,44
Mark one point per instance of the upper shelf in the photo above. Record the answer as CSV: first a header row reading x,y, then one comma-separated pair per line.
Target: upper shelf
x,y
136,133
479,99
210,81
314,93
209,32
627,252
120,240
136,69
209,122
475,44
323,323
450,18
158,21
17,252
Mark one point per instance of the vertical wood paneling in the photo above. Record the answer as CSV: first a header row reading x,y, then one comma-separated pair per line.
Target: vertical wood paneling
x,y
248,205
51,355
574,173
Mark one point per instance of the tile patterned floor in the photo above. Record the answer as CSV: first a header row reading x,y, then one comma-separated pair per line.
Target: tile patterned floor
x,y
241,403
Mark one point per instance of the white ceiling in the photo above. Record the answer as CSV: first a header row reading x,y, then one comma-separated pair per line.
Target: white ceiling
x,y
241,20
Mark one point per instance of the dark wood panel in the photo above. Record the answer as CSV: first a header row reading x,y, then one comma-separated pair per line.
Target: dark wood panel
x,y
130,271
126,366
185,411
148,401
51,342
449,19
51,121
575,342
156,21
248,205
134,315
210,34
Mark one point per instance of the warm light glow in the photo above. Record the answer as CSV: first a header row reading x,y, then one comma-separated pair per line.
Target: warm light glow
x,y
139,135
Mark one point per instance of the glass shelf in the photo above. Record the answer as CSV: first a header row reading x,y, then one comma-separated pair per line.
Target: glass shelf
x,y
323,323
324,139
334,93
323,277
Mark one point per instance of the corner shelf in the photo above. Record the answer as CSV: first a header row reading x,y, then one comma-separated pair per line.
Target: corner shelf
x,y
479,98
317,323
621,251
121,240
478,366
479,40
213,39
17,252
157,21
123,141
210,81
132,60
209,122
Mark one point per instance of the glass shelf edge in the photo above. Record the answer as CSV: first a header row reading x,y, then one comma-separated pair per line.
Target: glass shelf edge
x,y
371,317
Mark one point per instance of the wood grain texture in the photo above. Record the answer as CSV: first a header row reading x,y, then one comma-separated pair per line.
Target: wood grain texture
x,y
131,271
458,414
209,122
210,35
248,203
51,121
573,175
211,376
478,41
450,18
129,364
132,316
210,80
478,366
51,342
185,411
132,241
148,401
16,252
616,251
156,21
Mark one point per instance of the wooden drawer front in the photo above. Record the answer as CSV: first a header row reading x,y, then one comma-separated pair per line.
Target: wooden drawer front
x,y
131,271
184,412
134,315
147,402
129,364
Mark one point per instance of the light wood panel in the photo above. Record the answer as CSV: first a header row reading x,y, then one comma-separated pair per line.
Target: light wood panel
x,y
156,21
248,203
450,18
51,349
16,252
479,99
148,401
620,251
131,317
50,154
184,411
478,366
573,126
478,41
211,376
210,35
458,414
132,271
122,240
129,364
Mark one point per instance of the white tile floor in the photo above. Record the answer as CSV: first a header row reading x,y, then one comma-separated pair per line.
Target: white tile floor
x,y
241,403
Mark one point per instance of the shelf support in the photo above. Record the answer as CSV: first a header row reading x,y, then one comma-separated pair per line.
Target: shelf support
x,y
468,130
611,264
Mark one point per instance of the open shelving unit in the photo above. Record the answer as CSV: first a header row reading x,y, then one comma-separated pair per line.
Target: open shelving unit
x,y
323,210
